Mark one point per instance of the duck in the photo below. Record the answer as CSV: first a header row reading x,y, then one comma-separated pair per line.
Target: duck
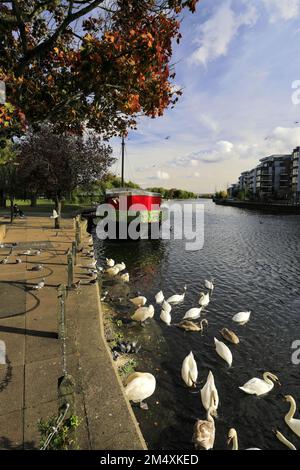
x,y
139,301
159,298
113,271
188,325
232,436
176,298
293,424
166,306
189,370
204,432
209,284
139,386
284,440
223,351
258,386
242,317
230,336
143,313
209,395
120,266
193,313
124,277
204,299
110,262
165,317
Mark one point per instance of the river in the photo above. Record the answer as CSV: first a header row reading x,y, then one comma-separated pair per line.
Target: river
x,y
254,260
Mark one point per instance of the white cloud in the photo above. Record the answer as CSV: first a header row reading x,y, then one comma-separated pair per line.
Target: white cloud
x,y
162,175
219,30
208,122
282,9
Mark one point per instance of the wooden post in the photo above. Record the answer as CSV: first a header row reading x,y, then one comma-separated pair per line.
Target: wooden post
x,y
74,253
78,234
70,269
66,384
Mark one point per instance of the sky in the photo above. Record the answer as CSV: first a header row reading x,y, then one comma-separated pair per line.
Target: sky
x,y
236,63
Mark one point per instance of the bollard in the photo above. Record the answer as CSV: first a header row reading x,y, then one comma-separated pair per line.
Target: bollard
x,y
78,234
61,296
74,253
66,384
70,269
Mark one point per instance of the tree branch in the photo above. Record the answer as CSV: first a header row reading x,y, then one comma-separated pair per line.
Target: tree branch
x,y
43,47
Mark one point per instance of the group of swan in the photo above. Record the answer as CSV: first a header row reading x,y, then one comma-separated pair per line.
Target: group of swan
x,y
141,385
115,269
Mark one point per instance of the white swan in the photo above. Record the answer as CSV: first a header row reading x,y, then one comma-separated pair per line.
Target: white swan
x,y
166,307
139,301
209,284
110,262
112,271
204,432
159,298
139,386
241,317
258,386
124,277
193,313
232,436
223,351
120,266
189,370
143,313
165,317
209,394
293,424
204,299
174,299
284,440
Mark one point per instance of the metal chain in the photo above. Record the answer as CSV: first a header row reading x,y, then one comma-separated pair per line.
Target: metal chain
x,y
56,428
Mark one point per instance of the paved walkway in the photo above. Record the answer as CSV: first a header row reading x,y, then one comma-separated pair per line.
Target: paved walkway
x,y
28,332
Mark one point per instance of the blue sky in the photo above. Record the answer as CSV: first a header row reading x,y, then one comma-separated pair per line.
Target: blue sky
x,y
236,63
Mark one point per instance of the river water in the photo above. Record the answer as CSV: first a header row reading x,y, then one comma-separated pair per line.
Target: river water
x,y
254,260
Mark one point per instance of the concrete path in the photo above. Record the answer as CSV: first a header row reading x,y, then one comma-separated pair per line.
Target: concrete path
x,y
32,353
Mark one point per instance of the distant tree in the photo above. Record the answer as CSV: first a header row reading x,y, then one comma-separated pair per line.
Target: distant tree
x,y
55,165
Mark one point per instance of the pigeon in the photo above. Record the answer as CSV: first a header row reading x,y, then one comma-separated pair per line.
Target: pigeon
x,y
40,285
18,261
37,267
4,260
76,285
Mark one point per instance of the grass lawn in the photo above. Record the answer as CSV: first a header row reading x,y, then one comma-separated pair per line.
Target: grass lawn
x,y
44,206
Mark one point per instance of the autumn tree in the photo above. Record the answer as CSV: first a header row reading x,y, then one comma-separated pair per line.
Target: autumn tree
x,y
94,64
55,164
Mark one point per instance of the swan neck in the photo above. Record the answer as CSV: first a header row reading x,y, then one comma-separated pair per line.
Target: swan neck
x,y
235,443
267,379
292,409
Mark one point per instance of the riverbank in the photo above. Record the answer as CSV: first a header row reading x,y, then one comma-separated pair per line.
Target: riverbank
x,y
271,208
33,365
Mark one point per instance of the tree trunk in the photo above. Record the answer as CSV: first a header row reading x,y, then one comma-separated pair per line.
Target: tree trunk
x,y
2,198
33,200
58,210
11,209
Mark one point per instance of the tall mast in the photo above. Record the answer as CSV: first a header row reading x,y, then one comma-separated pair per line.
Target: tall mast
x,y
123,149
